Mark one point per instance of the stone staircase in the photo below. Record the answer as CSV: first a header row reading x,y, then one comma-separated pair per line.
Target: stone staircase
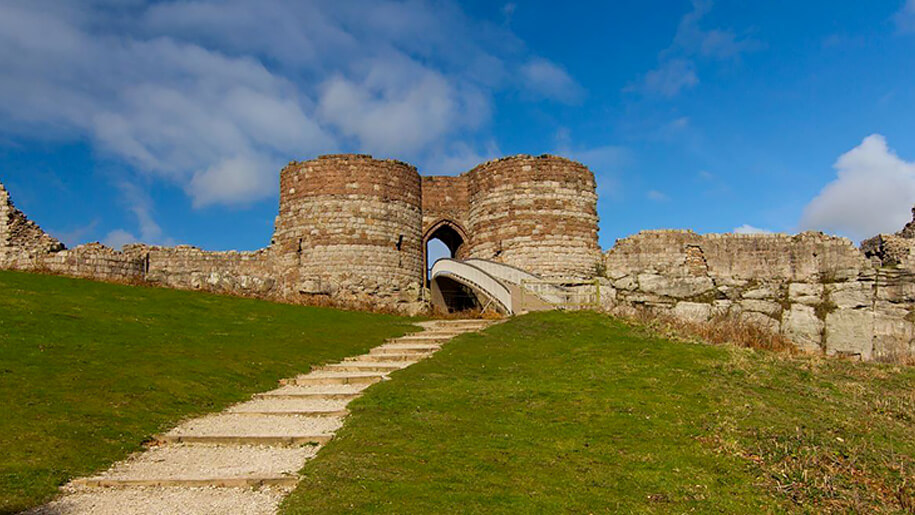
x,y
245,459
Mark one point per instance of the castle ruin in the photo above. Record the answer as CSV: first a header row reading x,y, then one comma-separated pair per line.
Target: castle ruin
x,y
354,230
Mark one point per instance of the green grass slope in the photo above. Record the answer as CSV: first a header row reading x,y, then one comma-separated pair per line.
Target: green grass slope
x,y
580,413
89,370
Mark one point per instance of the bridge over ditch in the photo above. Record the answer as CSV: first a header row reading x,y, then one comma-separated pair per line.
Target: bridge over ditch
x,y
458,285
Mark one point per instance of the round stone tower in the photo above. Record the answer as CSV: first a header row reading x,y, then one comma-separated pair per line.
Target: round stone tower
x,y
349,223
535,213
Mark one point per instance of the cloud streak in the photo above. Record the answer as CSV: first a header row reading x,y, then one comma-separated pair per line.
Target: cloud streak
x,y
214,96
905,17
676,70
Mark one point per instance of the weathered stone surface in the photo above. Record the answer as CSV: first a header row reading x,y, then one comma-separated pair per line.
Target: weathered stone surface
x,y
809,294
894,338
536,213
722,307
772,309
759,319
626,282
693,311
801,325
850,332
765,292
676,287
850,295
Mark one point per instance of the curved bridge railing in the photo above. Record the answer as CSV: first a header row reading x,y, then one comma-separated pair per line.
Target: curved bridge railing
x,y
476,279
548,292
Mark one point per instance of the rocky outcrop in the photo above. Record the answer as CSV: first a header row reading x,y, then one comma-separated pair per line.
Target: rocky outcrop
x,y
820,291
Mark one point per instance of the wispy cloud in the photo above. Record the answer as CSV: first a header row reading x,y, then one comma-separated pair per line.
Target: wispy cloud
x,y
676,70
657,196
873,192
670,78
749,229
547,80
138,202
215,95
905,17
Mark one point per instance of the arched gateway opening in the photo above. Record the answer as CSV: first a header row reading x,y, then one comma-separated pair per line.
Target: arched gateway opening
x,y
444,239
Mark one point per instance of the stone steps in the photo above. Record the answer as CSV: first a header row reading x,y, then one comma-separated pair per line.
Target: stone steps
x,y
291,407
306,395
420,339
215,482
405,348
273,440
198,466
411,358
342,378
292,413
249,455
364,366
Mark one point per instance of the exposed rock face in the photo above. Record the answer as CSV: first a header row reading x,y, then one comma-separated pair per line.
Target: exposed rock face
x,y
820,291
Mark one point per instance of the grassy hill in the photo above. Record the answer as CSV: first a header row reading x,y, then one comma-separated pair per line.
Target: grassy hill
x,y
89,370
577,412
546,412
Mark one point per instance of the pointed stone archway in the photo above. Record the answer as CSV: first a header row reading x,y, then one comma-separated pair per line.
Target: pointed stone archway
x,y
448,232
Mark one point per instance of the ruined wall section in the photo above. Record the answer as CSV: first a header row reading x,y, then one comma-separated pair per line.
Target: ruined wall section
x,y
820,291
190,268
535,213
350,227
21,239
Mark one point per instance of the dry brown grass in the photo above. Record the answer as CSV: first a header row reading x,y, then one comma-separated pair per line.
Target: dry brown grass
x,y
720,330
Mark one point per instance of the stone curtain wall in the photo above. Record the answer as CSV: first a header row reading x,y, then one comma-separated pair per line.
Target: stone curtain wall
x,y
350,230
20,238
535,213
5,211
190,268
820,291
350,227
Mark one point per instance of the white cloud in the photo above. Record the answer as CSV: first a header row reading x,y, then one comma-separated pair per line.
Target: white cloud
x,y
118,238
213,95
459,157
717,43
905,18
398,106
657,196
670,78
873,193
138,202
548,80
749,229
677,69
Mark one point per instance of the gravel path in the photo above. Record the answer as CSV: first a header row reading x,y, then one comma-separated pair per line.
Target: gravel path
x,y
231,424
330,389
270,414
289,405
160,501
183,461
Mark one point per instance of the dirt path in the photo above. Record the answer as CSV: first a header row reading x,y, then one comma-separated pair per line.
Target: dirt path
x,y
245,459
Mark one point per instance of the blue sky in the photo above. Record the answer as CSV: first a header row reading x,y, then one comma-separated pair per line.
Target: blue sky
x,y
167,122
